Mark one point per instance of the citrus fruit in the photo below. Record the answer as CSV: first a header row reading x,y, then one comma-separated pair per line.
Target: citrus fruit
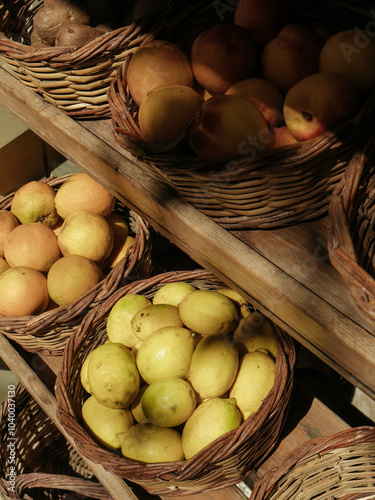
x,y
103,423
70,277
152,317
119,328
165,353
210,420
256,332
168,402
121,240
151,444
242,304
208,312
87,234
35,202
23,292
3,265
81,192
8,222
83,374
113,376
32,245
254,380
213,366
136,406
172,293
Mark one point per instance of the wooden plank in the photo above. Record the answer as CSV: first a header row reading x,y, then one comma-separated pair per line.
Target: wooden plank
x,y
317,323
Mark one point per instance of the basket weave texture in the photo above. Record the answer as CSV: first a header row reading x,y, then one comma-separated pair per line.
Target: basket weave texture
x,y
74,79
341,466
46,465
273,189
224,462
48,332
351,241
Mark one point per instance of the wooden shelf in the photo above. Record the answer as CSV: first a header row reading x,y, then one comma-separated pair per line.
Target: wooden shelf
x,y
286,273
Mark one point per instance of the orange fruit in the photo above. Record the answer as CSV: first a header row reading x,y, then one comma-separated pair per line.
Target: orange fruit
x,y
82,192
86,233
32,245
23,292
35,202
70,277
8,222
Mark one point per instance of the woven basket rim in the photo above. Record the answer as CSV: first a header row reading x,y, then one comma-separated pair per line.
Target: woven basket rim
x,y
169,477
40,429
47,332
307,451
340,241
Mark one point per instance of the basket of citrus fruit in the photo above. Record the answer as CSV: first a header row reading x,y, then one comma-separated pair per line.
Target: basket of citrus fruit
x,y
176,383
338,466
66,244
256,120
37,461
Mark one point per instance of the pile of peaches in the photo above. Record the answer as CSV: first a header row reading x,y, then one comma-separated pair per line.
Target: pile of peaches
x,y
258,82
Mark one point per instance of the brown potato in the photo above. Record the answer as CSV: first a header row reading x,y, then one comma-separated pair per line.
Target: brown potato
x,y
73,34
48,20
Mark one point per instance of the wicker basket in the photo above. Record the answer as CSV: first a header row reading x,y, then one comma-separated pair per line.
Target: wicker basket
x,y
341,466
46,466
281,187
48,332
223,463
74,79
351,241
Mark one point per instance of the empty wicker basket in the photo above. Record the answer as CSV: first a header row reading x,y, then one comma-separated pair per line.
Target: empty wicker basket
x,y
48,332
284,186
44,464
351,241
341,466
223,463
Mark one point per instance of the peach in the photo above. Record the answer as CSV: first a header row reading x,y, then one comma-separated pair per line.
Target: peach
x,y
266,97
228,126
350,53
223,55
263,19
319,103
281,136
292,55
157,64
165,115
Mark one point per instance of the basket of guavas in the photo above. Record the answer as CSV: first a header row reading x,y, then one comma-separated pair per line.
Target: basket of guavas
x,y
177,384
66,244
255,120
68,50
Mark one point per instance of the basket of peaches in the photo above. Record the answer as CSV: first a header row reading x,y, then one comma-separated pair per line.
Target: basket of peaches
x,y
66,244
254,119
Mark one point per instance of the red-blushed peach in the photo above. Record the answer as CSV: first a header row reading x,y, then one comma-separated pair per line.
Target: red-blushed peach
x,y
227,127
223,55
350,53
281,136
265,95
319,103
262,18
165,115
292,55
156,64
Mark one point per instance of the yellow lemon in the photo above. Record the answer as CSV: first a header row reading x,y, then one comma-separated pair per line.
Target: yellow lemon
x,y
136,406
210,420
255,379
152,317
256,332
166,352
172,293
104,424
168,402
151,444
